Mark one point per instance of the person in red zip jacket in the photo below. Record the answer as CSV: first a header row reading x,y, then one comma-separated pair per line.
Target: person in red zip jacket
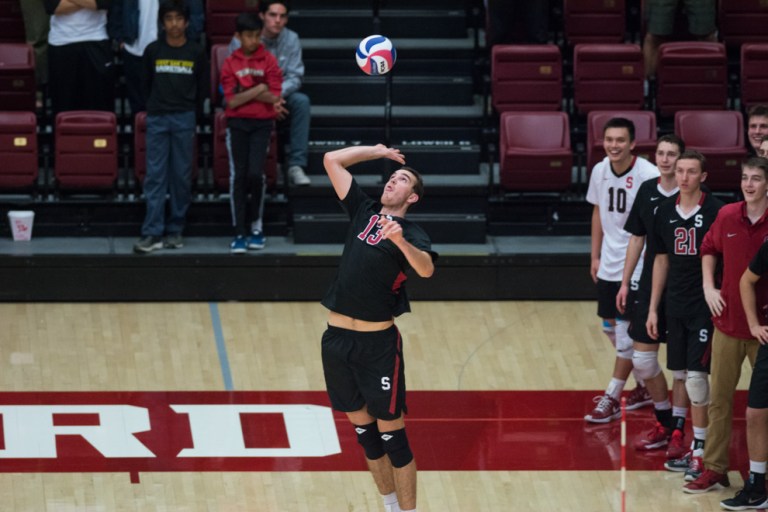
x,y
251,80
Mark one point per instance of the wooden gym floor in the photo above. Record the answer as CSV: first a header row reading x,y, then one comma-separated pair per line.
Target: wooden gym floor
x,y
498,392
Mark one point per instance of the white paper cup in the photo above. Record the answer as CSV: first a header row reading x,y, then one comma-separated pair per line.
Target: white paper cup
x,y
21,224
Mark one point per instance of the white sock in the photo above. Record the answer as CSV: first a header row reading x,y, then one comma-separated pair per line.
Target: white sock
x,y
757,467
700,433
662,406
390,502
615,388
679,412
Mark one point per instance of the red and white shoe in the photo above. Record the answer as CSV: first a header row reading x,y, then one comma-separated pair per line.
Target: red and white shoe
x,y
708,480
676,448
638,398
606,410
656,438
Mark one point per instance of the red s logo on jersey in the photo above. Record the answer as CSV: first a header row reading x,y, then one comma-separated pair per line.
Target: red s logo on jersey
x,y
629,181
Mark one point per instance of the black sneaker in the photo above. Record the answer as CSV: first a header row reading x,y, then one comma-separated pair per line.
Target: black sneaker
x,y
173,241
148,244
746,499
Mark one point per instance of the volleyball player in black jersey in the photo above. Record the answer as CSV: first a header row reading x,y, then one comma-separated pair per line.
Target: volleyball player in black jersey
x,y
362,348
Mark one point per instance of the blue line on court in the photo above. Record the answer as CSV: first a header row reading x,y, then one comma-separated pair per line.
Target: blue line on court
x,y
221,347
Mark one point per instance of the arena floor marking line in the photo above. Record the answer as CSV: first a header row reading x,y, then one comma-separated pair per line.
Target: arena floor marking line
x,y
221,346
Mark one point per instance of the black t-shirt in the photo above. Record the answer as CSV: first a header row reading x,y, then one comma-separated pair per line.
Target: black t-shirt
x,y
175,79
370,282
640,222
681,239
759,265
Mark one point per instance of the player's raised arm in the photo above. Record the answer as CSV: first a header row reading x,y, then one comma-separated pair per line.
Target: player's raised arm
x,y
337,162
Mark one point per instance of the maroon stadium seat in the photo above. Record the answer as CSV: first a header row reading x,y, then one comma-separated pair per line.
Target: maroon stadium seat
x,y
11,22
535,151
645,133
86,150
719,136
691,76
140,149
221,156
608,77
220,18
742,21
754,74
17,77
219,53
18,150
594,21
526,77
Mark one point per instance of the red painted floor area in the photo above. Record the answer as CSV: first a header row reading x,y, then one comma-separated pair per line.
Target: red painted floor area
x,y
448,430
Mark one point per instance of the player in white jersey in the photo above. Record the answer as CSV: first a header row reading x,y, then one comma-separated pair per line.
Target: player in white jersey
x,y
613,186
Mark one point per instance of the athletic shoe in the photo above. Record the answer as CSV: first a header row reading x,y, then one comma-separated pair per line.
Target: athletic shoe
x,y
239,245
656,438
708,480
696,466
676,447
679,465
148,244
297,176
639,397
746,499
256,240
173,241
606,410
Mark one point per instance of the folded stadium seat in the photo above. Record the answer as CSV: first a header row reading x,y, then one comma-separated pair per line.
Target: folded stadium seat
x,y
221,156
526,77
742,21
219,53
691,76
18,150
754,74
85,150
535,151
719,136
608,77
11,22
594,21
220,18
17,77
140,150
645,133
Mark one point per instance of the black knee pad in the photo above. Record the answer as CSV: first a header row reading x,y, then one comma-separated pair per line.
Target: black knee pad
x,y
396,446
368,438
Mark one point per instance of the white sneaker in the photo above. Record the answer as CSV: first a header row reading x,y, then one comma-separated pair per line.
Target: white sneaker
x,y
297,176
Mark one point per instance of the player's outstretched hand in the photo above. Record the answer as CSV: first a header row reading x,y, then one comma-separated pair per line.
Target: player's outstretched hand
x,y
391,153
714,301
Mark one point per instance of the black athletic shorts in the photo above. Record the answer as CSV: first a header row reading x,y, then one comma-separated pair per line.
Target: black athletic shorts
x,y
365,369
606,300
638,317
689,343
758,386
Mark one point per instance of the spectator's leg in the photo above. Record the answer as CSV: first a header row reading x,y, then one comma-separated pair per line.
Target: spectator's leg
x,y
36,26
238,192
258,146
299,108
661,23
156,180
133,71
182,152
97,77
63,76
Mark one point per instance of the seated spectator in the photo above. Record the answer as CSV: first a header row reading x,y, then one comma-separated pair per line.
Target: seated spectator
x,y
661,24
133,24
757,128
284,44
80,60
